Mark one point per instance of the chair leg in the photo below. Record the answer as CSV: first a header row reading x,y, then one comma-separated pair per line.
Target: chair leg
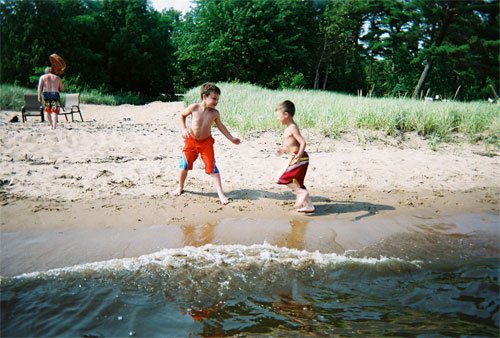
x,y
79,112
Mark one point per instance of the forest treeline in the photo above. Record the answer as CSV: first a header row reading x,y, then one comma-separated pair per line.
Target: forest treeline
x,y
381,48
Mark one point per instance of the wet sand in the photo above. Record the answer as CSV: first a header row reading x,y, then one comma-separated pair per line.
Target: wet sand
x,y
42,235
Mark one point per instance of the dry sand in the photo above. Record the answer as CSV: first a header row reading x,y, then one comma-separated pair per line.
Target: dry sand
x,y
100,189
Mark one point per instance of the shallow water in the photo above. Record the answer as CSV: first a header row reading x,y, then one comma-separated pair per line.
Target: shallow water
x,y
411,284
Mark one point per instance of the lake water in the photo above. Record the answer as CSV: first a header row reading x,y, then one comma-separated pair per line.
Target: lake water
x,y
410,284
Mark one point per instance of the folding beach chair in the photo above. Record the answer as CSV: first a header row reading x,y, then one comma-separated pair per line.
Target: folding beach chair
x,y
31,107
72,106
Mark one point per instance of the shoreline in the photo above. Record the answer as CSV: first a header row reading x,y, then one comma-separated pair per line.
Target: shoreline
x,y
39,235
192,207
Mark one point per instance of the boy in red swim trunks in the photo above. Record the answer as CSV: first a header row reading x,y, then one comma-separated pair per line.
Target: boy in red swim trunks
x,y
198,139
294,145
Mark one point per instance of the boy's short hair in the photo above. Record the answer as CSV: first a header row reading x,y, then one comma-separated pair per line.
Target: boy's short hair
x,y
209,88
287,106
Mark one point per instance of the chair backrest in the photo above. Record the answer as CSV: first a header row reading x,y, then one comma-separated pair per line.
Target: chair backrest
x,y
72,100
31,102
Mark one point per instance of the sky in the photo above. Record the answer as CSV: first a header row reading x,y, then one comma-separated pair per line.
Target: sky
x,y
180,5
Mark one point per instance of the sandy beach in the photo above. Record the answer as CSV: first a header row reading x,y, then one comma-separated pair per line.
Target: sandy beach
x,y
100,189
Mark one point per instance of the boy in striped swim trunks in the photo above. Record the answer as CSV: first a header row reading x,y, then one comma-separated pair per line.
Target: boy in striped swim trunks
x,y
50,85
198,139
294,145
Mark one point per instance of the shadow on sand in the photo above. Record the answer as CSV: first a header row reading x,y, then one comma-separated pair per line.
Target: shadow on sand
x,y
324,205
344,207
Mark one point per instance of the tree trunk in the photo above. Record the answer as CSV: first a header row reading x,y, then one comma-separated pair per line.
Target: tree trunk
x,y
495,95
421,81
318,66
327,69
428,67
316,78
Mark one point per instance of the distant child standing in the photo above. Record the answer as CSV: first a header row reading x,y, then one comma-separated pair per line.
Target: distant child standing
x,y
50,85
198,139
294,145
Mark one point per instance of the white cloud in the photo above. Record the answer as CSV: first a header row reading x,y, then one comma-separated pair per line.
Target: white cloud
x,y
180,5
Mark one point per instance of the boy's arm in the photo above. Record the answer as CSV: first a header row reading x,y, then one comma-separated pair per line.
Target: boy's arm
x,y
40,88
61,85
281,150
184,114
302,143
224,130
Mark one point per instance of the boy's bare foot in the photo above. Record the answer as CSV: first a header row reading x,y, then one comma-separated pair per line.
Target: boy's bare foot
x,y
301,197
177,192
224,200
307,210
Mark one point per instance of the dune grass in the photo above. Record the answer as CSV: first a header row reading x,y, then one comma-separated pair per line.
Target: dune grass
x,y
250,108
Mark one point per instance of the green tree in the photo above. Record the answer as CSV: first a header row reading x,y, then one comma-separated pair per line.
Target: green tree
x,y
139,51
114,45
25,44
381,46
391,43
342,56
251,41
438,18
460,47
432,45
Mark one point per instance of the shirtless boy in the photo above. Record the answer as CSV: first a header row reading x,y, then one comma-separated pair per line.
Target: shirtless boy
x,y
294,145
50,85
198,139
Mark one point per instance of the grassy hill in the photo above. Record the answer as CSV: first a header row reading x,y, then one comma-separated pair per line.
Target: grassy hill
x,y
250,108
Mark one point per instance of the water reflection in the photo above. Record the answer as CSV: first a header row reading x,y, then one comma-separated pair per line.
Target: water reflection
x,y
298,233
296,238
198,235
211,233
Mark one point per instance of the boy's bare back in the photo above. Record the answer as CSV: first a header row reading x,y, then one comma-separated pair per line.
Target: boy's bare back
x,y
51,83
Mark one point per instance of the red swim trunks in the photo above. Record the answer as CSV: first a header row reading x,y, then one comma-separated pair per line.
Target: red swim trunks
x,y
296,172
204,148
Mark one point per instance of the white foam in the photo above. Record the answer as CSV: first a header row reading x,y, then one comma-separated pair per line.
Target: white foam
x,y
216,256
